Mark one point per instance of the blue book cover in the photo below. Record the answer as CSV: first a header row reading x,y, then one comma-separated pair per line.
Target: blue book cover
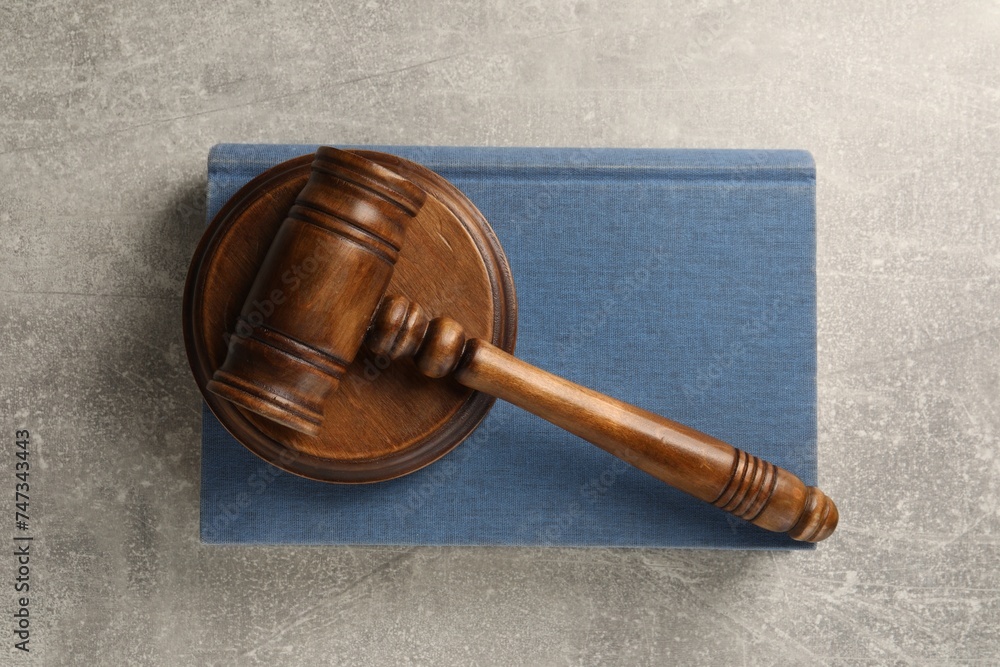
x,y
682,281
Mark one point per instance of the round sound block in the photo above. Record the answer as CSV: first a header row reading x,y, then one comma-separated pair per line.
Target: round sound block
x,y
386,419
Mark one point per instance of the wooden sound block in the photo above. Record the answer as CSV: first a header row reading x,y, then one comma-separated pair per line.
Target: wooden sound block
x,y
386,419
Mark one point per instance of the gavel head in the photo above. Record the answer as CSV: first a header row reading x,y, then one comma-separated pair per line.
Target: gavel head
x,y
317,289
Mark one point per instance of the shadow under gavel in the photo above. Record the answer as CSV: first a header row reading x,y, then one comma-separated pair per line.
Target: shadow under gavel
x,y
346,228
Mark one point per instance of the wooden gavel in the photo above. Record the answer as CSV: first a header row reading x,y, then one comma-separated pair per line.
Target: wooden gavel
x,y
340,242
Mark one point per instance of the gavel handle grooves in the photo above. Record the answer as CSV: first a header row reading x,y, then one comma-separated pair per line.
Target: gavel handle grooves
x,y
696,463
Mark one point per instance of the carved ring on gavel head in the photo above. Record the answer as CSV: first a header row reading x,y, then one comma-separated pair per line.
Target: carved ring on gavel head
x,y
341,240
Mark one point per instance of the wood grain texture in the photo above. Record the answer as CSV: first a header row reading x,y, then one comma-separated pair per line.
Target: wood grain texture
x,y
694,462
384,419
351,220
325,272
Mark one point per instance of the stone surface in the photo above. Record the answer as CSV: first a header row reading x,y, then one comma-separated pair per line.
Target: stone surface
x,y
108,111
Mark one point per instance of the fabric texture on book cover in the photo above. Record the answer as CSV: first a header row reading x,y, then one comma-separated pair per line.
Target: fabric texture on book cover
x,y
681,281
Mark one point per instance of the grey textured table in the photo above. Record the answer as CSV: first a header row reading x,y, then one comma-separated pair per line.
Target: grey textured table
x,y
108,110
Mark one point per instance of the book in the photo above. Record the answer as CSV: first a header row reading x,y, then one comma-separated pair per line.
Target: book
x,y
681,281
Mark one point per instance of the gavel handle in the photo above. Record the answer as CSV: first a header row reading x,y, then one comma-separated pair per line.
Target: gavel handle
x,y
696,463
